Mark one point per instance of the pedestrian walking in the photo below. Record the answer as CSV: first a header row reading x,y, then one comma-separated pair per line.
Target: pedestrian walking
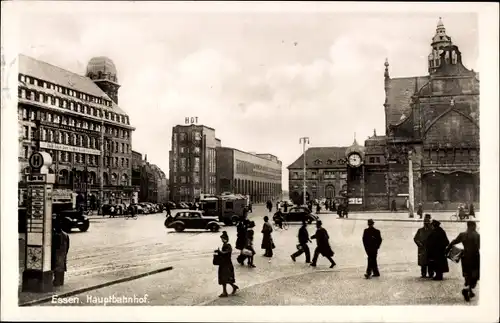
x,y
437,243
393,206
277,205
472,212
420,240
285,207
249,245
302,246
267,239
226,268
269,206
372,239
318,208
241,235
470,258
322,245
60,249
420,210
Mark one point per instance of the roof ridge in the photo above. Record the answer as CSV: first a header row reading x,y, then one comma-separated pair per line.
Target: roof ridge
x,y
409,77
47,63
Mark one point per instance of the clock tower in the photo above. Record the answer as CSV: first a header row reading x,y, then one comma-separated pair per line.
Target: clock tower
x,y
355,155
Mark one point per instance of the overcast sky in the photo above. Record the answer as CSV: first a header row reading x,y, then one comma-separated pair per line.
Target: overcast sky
x,y
262,80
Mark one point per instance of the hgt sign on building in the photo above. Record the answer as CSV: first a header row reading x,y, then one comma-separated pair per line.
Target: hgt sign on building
x,y
191,120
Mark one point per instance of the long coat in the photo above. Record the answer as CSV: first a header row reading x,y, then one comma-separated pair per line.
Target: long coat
x,y
437,243
60,248
241,230
226,268
323,245
372,239
267,239
420,239
470,255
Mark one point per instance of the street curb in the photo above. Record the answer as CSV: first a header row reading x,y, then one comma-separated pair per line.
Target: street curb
x,y
403,220
86,289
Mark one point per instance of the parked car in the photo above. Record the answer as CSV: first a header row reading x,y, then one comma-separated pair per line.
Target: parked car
x,y
171,204
73,219
184,205
297,214
191,219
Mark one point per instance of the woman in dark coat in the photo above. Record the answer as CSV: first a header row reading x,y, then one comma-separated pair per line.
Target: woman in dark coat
x,y
249,246
226,269
267,239
60,248
437,243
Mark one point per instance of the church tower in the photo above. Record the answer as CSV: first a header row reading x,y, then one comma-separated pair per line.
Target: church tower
x,y
102,71
439,42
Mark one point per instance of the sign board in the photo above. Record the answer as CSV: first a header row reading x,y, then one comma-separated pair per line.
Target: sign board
x,y
191,120
36,160
355,201
73,149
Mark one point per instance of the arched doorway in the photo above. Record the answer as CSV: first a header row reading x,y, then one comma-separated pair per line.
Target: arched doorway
x,y
330,192
461,187
433,184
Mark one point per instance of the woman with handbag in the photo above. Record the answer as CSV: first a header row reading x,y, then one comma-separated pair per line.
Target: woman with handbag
x,y
222,258
267,239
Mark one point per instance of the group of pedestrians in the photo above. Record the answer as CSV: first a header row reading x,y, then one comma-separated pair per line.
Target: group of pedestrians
x,y
434,246
431,240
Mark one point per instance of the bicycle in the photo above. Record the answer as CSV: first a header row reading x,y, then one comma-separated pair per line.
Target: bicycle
x,y
130,216
284,225
458,218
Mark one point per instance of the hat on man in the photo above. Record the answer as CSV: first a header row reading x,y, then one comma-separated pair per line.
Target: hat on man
x,y
371,222
436,222
224,235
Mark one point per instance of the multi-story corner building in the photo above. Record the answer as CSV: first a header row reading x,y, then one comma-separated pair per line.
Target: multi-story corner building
x,y
77,120
192,160
257,175
326,174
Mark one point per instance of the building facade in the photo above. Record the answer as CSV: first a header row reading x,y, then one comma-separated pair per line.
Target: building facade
x,y
435,120
326,174
432,121
192,160
257,175
77,120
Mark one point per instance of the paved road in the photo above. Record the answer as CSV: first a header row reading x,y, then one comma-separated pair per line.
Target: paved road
x,y
116,247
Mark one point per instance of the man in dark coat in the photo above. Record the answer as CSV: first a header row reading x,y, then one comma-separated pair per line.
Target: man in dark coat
x,y
420,239
420,210
303,240
470,258
269,205
393,206
285,207
436,250
60,248
323,245
372,239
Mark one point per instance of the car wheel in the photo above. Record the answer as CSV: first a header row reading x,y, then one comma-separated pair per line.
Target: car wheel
x,y
214,228
179,227
84,227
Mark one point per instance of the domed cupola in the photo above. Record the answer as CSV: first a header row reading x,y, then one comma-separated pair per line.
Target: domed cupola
x,y
440,41
355,154
103,72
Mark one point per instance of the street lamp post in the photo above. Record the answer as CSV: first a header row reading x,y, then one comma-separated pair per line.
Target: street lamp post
x,y
410,183
304,141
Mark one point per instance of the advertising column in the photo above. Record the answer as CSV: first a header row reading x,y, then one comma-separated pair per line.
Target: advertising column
x,y
37,275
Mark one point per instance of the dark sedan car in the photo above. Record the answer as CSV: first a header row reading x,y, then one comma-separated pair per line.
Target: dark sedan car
x,y
297,214
190,219
73,219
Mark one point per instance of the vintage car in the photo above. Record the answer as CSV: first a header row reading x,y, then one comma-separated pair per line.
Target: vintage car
x,y
297,214
191,219
71,219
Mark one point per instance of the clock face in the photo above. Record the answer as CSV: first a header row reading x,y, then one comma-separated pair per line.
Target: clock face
x,y
354,160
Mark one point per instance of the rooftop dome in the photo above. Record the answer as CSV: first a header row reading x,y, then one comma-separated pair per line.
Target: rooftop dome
x,y
355,148
102,68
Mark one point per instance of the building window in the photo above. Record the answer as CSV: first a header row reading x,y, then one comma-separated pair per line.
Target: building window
x,y
181,150
44,135
123,162
64,103
122,146
26,132
23,93
183,179
25,151
313,174
196,164
72,107
32,133
182,136
126,163
116,161
197,135
183,164
343,175
57,102
196,150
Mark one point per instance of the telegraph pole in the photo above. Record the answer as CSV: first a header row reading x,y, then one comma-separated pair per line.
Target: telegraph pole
x,y
410,185
304,141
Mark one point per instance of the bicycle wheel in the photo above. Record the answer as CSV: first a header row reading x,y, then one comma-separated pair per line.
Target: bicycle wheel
x,y
453,217
285,225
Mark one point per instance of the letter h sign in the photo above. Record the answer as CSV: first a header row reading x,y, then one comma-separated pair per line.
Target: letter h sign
x,y
191,120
